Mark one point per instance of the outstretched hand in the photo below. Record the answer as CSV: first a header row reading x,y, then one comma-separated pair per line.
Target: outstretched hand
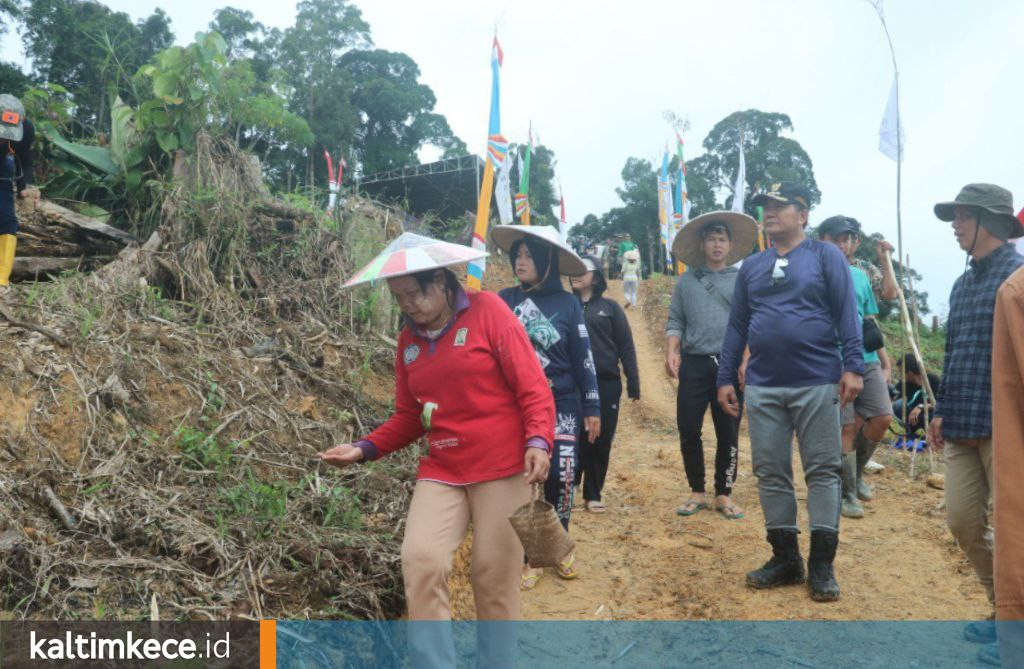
x,y
341,456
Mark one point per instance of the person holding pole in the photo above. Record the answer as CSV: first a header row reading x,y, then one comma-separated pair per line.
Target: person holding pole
x,y
983,221
793,302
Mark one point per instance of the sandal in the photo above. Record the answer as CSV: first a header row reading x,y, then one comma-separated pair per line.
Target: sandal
x,y
691,507
567,569
729,511
595,506
529,580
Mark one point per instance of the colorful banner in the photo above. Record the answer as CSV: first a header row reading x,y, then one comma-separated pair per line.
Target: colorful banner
x,y
563,227
739,187
523,197
664,207
682,207
497,150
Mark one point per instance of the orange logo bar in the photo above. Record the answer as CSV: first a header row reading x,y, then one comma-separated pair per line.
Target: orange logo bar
x,y
11,118
268,644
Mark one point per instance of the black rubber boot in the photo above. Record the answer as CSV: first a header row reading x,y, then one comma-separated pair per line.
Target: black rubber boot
x,y
820,574
786,567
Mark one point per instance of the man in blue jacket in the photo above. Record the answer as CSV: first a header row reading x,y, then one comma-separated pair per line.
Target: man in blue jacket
x,y
794,308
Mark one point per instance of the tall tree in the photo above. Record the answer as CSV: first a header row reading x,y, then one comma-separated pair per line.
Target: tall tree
x,y
92,51
394,110
769,156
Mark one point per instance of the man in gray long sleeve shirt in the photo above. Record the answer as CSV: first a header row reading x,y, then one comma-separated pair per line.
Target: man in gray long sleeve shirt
x,y
793,304
697,320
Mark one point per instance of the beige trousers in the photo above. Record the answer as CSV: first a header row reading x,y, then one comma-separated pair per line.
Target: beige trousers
x,y
438,519
969,485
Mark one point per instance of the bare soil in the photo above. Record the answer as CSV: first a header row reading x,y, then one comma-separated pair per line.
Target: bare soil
x,y
641,561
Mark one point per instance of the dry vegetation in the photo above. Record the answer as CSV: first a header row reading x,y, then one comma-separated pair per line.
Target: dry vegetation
x,y
160,418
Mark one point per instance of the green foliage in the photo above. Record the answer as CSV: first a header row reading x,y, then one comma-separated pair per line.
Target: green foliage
x,y
185,85
90,49
256,500
202,450
769,157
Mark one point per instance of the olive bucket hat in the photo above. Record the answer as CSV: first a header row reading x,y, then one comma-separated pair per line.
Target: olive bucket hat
x,y
995,201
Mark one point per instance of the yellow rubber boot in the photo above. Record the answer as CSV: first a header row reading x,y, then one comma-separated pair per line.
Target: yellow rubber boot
x,y
7,245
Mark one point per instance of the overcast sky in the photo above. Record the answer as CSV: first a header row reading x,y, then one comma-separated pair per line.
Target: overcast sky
x,y
596,78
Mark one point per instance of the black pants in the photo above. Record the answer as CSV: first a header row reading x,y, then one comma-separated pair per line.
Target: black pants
x,y
594,456
698,387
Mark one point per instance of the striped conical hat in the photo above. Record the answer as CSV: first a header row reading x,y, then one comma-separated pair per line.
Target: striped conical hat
x,y
411,253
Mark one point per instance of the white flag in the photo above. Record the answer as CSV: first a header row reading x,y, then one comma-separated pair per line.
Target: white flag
x,y
892,141
741,182
503,191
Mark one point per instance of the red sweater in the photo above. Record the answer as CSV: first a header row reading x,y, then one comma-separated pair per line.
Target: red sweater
x,y
488,391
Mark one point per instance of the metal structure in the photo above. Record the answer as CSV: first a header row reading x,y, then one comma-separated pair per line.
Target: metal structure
x,y
445,189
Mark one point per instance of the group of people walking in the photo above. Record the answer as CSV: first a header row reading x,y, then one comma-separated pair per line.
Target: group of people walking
x,y
523,388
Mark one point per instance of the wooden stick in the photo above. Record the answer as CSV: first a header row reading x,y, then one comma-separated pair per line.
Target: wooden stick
x,y
909,332
929,397
58,508
35,328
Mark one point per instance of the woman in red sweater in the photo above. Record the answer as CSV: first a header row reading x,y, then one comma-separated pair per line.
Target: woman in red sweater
x,y
467,379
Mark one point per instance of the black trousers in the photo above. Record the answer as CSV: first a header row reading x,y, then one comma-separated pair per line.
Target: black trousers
x,y
594,456
698,387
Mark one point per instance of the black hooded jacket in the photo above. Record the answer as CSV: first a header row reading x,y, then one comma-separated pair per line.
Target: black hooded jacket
x,y
611,339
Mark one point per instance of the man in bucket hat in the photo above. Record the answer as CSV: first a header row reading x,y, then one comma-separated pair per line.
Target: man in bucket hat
x,y
710,244
983,221
16,137
791,305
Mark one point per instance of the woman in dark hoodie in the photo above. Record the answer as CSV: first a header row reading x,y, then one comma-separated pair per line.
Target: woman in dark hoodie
x,y
553,320
611,341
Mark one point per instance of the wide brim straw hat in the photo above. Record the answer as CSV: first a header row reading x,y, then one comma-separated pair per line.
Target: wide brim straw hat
x,y
410,253
569,263
687,245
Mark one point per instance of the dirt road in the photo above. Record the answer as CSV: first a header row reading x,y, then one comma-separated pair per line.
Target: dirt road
x,y
640,561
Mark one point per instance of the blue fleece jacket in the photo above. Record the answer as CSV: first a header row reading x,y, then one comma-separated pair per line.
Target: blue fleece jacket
x,y
554,323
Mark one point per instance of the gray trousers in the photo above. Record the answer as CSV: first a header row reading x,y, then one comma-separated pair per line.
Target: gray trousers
x,y
773,415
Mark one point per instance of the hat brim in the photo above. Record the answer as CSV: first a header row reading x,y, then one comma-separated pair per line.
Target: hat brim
x,y
569,264
944,211
759,199
687,245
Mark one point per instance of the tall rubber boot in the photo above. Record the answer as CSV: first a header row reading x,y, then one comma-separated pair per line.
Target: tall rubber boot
x,y
820,575
850,506
865,449
7,246
785,567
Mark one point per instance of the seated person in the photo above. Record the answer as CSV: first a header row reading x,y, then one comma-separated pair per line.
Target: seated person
x,y
915,394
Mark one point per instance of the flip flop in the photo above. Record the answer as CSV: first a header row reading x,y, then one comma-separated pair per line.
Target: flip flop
x,y
567,568
729,511
595,506
684,510
529,582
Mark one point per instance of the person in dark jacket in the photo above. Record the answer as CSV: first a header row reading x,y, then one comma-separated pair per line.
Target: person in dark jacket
x,y
553,320
611,341
16,136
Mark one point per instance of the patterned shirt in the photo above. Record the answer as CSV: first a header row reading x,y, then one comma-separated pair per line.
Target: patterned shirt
x,y
965,395
874,275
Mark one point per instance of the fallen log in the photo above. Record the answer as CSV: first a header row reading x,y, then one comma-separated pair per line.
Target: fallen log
x,y
72,219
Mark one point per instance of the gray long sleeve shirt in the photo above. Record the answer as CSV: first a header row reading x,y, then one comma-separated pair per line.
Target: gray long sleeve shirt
x,y
698,316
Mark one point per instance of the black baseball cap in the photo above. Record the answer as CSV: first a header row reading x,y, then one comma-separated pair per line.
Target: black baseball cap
x,y
834,226
786,192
